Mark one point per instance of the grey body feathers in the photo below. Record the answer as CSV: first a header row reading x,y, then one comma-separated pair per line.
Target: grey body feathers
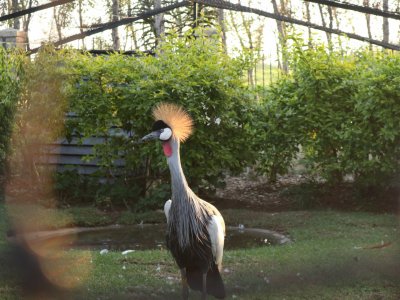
x,y
188,214
195,232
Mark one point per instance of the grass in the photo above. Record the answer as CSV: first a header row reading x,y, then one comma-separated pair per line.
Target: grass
x,y
271,75
38,218
335,255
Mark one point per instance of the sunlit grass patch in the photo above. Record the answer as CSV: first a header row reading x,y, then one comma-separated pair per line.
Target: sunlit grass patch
x,y
334,255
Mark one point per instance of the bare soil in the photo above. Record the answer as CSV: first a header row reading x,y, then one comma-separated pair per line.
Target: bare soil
x,y
252,192
296,192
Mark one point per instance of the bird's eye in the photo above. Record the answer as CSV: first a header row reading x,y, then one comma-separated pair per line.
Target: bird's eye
x,y
166,134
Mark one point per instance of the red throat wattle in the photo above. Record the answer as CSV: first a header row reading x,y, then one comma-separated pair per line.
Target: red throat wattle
x,y
167,149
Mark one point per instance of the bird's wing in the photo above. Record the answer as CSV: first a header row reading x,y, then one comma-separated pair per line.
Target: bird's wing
x,y
216,231
214,211
167,206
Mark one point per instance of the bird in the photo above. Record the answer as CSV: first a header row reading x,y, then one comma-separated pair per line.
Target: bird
x,y
195,228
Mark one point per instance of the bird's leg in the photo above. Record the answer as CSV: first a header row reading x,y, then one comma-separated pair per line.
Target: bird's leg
x,y
185,288
204,293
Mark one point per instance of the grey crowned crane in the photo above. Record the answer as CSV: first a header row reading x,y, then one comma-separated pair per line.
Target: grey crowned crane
x,y
195,228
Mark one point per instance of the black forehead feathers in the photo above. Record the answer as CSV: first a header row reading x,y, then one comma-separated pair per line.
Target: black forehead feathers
x,y
159,124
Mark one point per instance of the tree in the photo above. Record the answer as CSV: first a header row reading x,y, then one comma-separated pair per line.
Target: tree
x,y
281,32
337,21
385,25
368,21
115,17
249,31
62,16
308,18
15,7
222,25
192,72
26,20
328,34
80,12
158,21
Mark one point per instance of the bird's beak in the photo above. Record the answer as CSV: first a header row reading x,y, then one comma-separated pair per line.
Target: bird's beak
x,y
151,136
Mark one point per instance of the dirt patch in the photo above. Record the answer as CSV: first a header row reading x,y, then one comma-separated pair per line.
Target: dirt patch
x,y
255,193
295,192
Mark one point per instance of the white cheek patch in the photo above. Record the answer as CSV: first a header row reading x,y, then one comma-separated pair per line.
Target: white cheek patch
x,y
166,134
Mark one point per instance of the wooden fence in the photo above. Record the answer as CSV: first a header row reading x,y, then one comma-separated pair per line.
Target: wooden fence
x,y
72,154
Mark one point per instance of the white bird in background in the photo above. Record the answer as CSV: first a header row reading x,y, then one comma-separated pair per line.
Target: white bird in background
x,y
195,228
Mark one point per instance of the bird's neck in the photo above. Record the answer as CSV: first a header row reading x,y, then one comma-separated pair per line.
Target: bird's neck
x,y
187,216
179,185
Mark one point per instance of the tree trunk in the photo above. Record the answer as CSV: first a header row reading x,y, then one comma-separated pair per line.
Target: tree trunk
x,y
282,35
25,25
328,35
336,17
330,26
158,21
15,8
368,20
115,17
236,28
134,41
57,21
247,28
80,12
308,16
397,8
385,25
330,17
196,14
221,22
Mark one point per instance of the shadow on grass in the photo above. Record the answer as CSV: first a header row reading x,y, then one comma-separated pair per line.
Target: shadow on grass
x,y
21,270
353,278
355,275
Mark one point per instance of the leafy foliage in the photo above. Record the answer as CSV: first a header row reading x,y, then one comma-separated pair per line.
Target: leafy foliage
x,y
73,189
11,72
279,127
41,108
340,111
324,85
156,198
119,90
372,149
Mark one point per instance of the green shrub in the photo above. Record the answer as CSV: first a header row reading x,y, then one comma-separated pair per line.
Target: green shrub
x,y
325,85
340,111
372,142
119,90
73,188
40,111
11,71
148,217
156,198
89,216
279,129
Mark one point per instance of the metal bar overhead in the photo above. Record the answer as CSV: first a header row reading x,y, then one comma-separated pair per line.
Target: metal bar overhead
x,y
222,4
110,25
33,9
358,8
241,8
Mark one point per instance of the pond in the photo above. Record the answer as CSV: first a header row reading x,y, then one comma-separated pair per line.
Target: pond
x,y
151,236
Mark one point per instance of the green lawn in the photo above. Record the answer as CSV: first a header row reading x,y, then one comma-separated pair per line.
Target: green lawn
x,y
335,255
263,77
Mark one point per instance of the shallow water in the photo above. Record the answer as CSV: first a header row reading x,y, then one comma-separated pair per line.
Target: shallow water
x,y
143,237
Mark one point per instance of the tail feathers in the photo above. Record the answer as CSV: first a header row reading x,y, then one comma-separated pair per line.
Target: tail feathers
x,y
215,285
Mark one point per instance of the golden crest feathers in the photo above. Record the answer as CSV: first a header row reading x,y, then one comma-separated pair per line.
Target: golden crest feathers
x,y
176,118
